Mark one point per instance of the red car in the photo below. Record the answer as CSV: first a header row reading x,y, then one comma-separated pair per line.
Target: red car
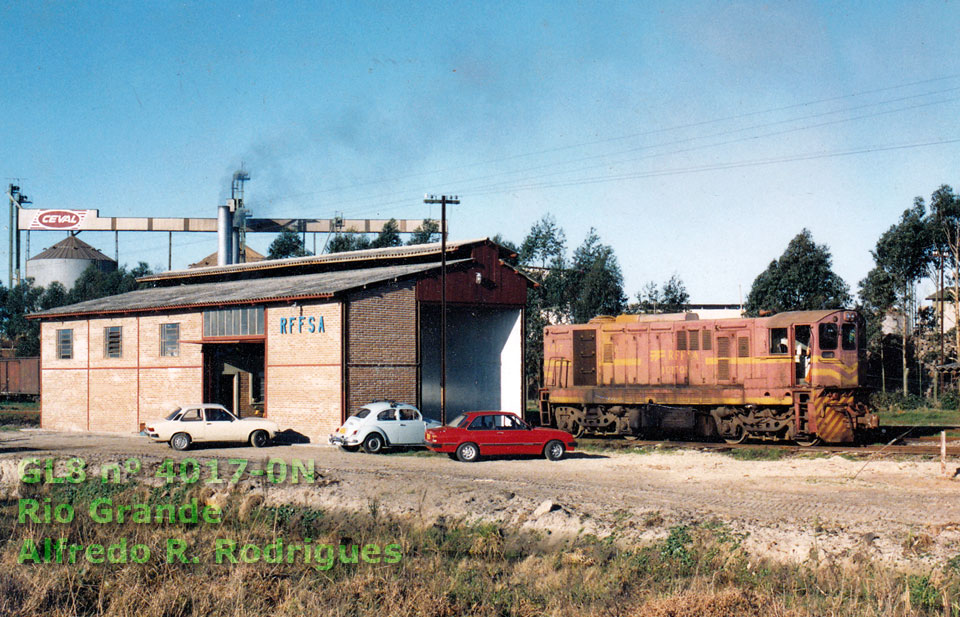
x,y
476,433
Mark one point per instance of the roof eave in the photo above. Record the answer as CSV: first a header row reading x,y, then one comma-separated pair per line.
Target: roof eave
x,y
173,307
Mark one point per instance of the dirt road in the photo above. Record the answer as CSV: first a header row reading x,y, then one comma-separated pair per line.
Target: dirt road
x,y
900,511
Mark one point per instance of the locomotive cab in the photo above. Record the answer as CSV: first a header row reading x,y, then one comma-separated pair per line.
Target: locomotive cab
x,y
824,353
837,353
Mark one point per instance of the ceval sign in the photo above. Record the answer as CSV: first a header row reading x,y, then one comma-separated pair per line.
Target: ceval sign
x,y
58,219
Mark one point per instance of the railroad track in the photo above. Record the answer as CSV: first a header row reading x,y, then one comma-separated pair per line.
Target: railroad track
x,y
918,447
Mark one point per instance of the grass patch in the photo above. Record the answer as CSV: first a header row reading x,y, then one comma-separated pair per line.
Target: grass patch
x,y
757,454
606,446
446,568
924,416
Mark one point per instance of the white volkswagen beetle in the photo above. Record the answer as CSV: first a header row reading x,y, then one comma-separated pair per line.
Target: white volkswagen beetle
x,y
189,423
381,425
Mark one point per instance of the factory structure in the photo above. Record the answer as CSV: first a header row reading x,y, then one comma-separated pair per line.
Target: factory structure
x,y
303,341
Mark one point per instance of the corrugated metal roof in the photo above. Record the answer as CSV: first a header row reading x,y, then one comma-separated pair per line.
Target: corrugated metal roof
x,y
316,285
72,247
398,252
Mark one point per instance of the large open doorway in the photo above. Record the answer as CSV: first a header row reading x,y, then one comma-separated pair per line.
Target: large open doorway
x,y
233,376
484,359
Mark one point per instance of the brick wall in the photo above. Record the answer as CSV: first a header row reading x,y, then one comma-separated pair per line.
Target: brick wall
x,y
63,382
92,392
303,368
382,345
247,407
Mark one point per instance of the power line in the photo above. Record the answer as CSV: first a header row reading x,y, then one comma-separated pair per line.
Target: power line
x,y
720,166
465,182
647,133
743,139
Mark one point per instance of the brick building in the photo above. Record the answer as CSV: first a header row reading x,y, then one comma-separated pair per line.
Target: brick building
x,y
304,341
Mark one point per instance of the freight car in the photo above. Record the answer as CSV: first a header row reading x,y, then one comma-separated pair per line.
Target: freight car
x,y
795,376
20,377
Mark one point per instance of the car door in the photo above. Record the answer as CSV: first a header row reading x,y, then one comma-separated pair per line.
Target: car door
x,y
516,438
221,426
411,426
388,423
483,432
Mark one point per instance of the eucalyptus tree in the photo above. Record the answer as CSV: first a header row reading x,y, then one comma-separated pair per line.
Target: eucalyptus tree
x,y
596,282
904,253
801,279
945,229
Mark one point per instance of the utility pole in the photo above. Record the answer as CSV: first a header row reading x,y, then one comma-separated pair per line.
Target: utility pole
x,y
942,299
443,200
17,199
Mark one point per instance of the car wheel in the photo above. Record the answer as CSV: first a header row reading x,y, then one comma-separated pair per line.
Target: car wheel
x,y
554,450
373,443
180,441
259,439
468,452
350,448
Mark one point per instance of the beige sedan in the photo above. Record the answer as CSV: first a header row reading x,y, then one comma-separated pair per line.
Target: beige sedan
x,y
208,422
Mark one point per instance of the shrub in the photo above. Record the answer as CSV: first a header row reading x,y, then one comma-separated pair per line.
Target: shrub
x,y
950,400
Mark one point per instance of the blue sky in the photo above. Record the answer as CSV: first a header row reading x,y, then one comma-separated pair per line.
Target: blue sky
x,y
697,137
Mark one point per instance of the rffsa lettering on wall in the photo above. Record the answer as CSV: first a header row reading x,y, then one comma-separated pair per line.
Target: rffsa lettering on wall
x,y
301,324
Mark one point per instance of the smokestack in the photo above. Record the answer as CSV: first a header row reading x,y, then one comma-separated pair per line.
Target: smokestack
x,y
224,235
234,245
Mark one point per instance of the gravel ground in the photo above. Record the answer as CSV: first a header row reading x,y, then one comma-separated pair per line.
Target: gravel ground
x,y
899,511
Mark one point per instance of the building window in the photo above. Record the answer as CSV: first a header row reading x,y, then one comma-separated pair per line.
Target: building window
x,y
170,339
112,342
65,344
244,321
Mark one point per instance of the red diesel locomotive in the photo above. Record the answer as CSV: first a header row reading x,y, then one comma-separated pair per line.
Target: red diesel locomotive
x,y
793,376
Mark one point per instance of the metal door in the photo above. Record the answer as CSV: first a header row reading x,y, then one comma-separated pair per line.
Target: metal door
x,y
584,357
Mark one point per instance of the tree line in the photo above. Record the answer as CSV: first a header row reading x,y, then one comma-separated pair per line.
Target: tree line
x,y
24,298
290,244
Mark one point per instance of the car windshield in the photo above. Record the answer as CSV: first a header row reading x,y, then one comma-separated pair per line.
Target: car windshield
x,y
173,414
457,421
363,413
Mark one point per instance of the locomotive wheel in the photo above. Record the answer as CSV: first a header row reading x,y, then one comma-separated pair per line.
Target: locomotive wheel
x,y
568,420
808,441
739,436
576,429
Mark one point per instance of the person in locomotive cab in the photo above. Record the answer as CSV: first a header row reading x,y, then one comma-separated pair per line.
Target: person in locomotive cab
x,y
783,346
802,360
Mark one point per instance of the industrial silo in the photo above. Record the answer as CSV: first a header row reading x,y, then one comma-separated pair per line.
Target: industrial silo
x,y
65,261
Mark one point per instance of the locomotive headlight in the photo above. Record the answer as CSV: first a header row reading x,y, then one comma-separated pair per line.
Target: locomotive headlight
x,y
849,316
